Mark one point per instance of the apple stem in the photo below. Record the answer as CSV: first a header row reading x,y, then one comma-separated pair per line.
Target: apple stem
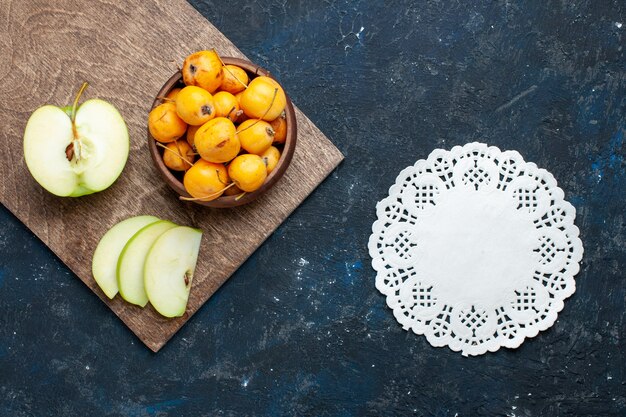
x,y
75,105
264,114
74,151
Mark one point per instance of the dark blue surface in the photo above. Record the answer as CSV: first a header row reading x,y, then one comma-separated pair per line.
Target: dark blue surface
x,y
300,328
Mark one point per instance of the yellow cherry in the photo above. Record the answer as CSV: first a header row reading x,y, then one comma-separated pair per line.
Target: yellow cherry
x,y
226,105
242,116
248,172
255,136
216,141
195,105
232,190
204,69
178,155
164,123
235,79
263,99
191,133
270,157
173,93
280,128
205,180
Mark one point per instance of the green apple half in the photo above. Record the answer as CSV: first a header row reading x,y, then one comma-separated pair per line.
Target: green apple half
x,y
104,263
169,269
77,150
130,265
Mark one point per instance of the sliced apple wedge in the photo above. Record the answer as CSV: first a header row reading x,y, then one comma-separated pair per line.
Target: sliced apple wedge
x,y
104,263
131,261
169,269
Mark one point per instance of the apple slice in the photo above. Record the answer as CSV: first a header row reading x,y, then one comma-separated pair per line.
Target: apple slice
x,y
104,263
76,151
169,269
131,261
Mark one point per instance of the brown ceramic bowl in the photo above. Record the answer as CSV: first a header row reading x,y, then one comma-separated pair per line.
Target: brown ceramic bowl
x,y
175,179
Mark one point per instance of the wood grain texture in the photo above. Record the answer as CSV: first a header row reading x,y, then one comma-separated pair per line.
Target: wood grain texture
x,y
126,50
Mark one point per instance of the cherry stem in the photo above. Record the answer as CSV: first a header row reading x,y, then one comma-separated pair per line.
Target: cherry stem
x,y
177,65
166,99
228,69
207,196
240,196
174,152
230,111
219,179
264,114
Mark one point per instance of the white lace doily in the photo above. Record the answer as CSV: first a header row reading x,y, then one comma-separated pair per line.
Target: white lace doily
x,y
475,248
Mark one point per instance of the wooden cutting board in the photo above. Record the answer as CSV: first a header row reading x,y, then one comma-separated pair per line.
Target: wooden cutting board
x,y
126,51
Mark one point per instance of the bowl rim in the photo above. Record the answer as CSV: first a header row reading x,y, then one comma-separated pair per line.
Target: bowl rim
x,y
228,201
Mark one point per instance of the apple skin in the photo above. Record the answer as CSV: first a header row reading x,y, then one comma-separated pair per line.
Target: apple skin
x,y
67,110
107,253
130,264
169,268
102,132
